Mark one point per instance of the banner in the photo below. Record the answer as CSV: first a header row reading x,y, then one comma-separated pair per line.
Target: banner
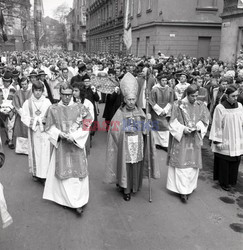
x,y
127,37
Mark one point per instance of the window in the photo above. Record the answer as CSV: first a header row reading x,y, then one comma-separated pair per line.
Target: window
x,y
149,5
147,45
137,46
120,43
207,5
120,7
110,10
84,36
132,8
84,20
139,8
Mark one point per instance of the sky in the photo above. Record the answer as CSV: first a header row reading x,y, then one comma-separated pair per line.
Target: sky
x,y
50,5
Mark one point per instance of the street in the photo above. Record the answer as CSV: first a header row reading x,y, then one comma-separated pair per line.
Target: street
x,y
212,218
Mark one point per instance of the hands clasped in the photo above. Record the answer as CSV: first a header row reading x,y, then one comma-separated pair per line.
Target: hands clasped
x,y
65,136
188,130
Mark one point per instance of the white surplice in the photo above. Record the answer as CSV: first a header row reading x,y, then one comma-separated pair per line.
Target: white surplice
x,y
71,192
183,180
39,145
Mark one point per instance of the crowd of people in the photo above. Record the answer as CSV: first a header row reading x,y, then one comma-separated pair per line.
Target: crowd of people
x,y
49,111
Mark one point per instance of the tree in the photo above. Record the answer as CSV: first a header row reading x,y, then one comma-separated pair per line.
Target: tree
x,y
61,12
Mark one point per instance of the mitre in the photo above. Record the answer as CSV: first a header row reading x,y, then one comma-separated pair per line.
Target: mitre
x,y
129,85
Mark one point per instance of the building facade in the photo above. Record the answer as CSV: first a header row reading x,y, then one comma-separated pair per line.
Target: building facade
x,y
105,26
191,27
70,30
16,25
232,30
78,32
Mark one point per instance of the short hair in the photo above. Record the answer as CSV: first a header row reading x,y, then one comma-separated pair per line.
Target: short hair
x,y
64,69
208,73
231,89
224,79
198,77
65,86
38,85
162,75
81,67
191,89
23,79
76,85
86,77
239,80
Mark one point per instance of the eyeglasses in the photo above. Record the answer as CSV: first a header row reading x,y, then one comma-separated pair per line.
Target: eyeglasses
x,y
66,95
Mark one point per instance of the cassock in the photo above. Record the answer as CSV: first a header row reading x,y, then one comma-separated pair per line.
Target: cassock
x,y
227,129
184,152
20,129
162,99
67,181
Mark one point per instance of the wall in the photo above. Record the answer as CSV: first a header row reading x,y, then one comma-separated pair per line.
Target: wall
x,y
175,25
229,38
175,40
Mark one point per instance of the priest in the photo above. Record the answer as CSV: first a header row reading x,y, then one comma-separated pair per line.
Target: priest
x,y
188,125
67,124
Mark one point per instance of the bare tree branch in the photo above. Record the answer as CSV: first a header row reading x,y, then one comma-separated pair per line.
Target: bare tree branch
x,y
61,11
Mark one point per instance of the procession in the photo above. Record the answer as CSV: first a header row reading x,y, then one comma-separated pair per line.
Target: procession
x,y
57,131
107,150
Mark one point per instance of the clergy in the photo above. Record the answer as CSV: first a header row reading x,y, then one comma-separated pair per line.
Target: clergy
x,y
33,114
188,125
67,124
20,130
125,147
